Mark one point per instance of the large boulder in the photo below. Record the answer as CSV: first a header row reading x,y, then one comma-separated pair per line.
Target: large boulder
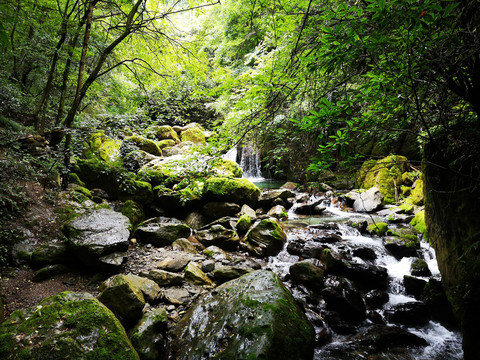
x,y
307,273
252,317
160,233
217,235
97,234
65,326
162,132
265,238
144,144
148,335
239,191
218,209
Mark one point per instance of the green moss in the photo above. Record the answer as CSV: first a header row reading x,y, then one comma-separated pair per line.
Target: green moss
x,y
379,228
406,208
165,143
74,179
163,132
84,191
241,191
227,168
244,222
416,196
418,222
133,211
193,134
110,150
144,144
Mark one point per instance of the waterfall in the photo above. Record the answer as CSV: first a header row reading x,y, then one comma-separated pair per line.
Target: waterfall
x,y
249,161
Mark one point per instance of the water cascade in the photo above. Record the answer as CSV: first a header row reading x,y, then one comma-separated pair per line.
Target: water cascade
x,y
250,163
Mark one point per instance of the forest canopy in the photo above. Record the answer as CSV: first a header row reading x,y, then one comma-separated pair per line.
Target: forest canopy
x,y
318,85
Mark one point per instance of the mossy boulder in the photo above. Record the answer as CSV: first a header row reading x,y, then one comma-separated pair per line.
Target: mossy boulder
x,y
419,267
110,150
162,144
240,191
379,228
144,144
49,254
243,224
265,238
307,273
69,325
416,194
194,275
218,235
226,168
133,211
162,132
418,222
401,247
148,335
193,134
385,174
252,317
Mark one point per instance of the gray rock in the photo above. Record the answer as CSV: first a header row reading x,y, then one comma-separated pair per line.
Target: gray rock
x,y
278,212
196,220
217,235
177,296
186,245
247,210
253,316
50,271
265,238
216,253
208,266
162,277
160,233
49,254
194,275
226,273
215,210
175,263
94,235
368,201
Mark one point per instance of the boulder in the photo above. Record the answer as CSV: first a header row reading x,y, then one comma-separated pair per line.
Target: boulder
x,y
159,232
65,326
365,253
217,235
413,285
401,248
133,211
379,228
122,295
307,273
367,276
193,134
419,268
94,235
49,254
265,238
243,224
50,271
216,253
226,168
368,201
310,208
216,209
144,144
196,220
226,273
253,316
177,296
279,212
163,132
375,299
267,198
413,313
305,249
239,191
148,336
247,210
175,263
347,302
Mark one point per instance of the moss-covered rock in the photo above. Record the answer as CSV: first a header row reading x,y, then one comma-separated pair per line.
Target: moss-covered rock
x,y
163,132
385,174
110,150
49,254
193,134
416,195
252,317
307,273
379,228
243,224
65,326
240,191
74,179
144,144
194,275
226,168
419,267
418,222
165,143
217,235
133,211
265,238
148,335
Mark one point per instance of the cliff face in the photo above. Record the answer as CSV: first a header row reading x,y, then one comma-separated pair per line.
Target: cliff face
x,y
452,190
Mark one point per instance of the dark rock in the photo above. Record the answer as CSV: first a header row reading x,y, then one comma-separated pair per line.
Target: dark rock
x,y
383,337
217,235
148,335
437,302
265,238
365,253
64,326
413,286
216,210
328,237
226,273
347,302
367,276
253,316
307,273
196,220
268,198
420,268
208,266
375,299
161,233
332,261
401,248
310,208
411,314
50,271
49,254
305,249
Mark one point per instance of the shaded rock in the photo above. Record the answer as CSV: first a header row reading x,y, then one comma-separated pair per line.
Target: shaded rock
x,y
346,301
434,297
375,299
208,266
243,224
268,198
419,268
124,298
65,326
383,337
148,335
367,276
185,245
410,314
413,286
253,316
50,271
305,249
112,262
227,222
133,211
265,238
97,234
175,264
401,247
195,276
49,254
215,210
161,233
247,210
332,261
368,201
310,208
217,235
226,273
365,253
307,273
196,220
162,277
